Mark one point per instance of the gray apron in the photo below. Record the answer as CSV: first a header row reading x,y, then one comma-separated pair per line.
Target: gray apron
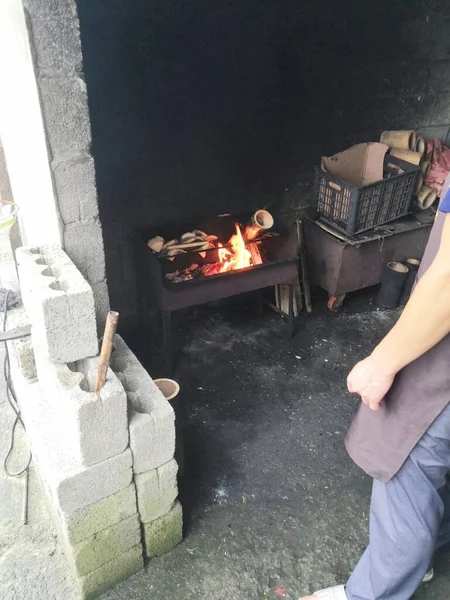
x,y
380,441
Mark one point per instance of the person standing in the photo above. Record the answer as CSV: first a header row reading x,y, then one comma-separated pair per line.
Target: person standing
x,y
401,435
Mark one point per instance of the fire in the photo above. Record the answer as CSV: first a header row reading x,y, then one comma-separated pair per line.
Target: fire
x,y
236,257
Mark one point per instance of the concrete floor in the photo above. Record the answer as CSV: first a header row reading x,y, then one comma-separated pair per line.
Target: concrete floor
x,y
274,506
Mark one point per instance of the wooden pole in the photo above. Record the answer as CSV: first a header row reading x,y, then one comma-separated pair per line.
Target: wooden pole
x,y
107,347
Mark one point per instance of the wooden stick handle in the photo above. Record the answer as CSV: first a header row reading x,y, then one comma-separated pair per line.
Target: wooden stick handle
x,y
107,347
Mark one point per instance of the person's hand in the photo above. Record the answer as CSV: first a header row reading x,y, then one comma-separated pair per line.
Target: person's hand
x,y
371,380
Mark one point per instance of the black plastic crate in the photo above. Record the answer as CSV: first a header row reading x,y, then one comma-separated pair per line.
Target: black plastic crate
x,y
354,209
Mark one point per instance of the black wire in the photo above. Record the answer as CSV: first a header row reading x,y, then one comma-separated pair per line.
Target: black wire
x,y
11,397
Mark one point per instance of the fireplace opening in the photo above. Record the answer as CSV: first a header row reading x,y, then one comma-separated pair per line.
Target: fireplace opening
x,y
206,108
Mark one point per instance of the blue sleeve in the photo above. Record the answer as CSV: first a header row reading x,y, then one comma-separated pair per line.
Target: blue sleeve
x,y
445,203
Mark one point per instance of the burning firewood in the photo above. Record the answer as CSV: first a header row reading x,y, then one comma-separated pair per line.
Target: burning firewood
x,y
241,251
184,274
211,269
256,254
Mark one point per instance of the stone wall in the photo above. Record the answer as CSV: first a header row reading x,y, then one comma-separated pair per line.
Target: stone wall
x,y
204,107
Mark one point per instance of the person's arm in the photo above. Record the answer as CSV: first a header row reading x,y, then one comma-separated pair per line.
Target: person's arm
x,y
424,322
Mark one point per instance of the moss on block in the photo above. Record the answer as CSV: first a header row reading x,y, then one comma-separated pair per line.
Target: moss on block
x,y
105,513
156,491
163,534
104,546
111,573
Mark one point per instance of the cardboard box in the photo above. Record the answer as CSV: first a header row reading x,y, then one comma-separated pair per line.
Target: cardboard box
x,y
359,165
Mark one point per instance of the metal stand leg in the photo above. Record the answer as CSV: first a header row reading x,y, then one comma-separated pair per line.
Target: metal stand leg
x,y
260,301
291,311
166,319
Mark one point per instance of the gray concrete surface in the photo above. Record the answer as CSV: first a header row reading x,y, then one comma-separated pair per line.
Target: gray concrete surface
x,y
273,505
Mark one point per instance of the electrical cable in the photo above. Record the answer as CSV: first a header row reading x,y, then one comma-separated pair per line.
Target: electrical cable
x,y
12,399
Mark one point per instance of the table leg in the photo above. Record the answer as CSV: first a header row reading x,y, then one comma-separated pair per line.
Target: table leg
x,y
291,310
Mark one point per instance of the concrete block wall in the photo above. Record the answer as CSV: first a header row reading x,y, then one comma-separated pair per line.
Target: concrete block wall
x,y
53,30
94,509
151,417
94,427
111,487
60,304
21,350
152,442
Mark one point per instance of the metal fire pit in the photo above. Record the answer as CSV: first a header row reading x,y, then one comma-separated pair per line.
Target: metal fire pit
x,y
280,266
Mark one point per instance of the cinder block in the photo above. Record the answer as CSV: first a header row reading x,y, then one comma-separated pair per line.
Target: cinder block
x,y
22,349
111,573
76,189
59,303
84,523
152,440
101,299
103,547
65,108
156,491
162,535
56,35
151,417
94,428
83,241
71,485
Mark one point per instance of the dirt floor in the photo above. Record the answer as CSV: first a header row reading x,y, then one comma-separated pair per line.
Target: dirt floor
x,y
274,507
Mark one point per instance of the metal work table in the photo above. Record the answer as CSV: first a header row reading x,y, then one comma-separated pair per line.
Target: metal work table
x,y
340,264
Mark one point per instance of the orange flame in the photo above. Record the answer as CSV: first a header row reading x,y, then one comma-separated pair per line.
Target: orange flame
x,y
236,257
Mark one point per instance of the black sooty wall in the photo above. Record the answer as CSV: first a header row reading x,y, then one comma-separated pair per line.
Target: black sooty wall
x,y
207,106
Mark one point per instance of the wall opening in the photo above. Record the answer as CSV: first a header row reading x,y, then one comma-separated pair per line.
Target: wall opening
x,y
207,107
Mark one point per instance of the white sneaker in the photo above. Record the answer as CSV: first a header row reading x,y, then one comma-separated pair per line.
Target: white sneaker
x,y
338,592
334,593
